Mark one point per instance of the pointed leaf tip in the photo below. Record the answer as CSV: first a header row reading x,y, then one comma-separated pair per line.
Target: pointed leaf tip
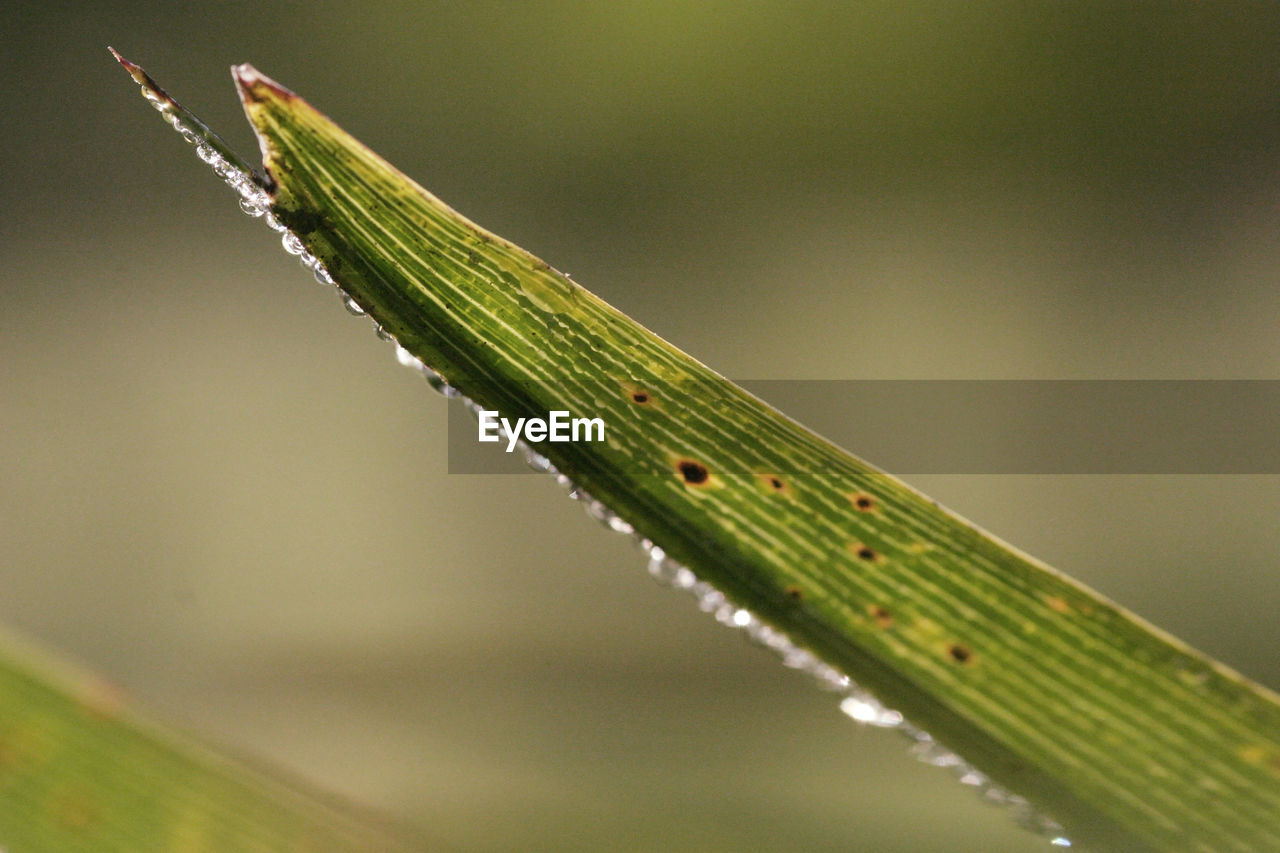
x,y
255,86
135,71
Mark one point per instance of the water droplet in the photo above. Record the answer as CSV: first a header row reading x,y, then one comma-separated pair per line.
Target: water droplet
x,y
830,678
1060,841
243,186
407,358
709,598
536,460
250,207
992,794
187,133
765,635
273,223
663,569
931,752
618,525
607,517
207,153
859,709
798,658
352,306
322,275
439,383
292,244
724,614
867,710
888,719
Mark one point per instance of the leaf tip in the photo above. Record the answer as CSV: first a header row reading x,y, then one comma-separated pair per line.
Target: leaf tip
x,y
255,87
135,70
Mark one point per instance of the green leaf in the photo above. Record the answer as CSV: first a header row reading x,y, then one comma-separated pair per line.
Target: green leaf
x,y
1128,737
80,770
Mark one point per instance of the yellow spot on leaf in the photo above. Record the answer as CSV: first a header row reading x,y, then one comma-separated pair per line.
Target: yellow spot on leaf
x,y
865,553
884,619
773,484
863,502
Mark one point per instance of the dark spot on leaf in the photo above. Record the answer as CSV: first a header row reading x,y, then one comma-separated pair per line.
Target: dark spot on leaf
x,y
794,593
881,614
864,552
863,502
640,397
959,653
694,473
774,484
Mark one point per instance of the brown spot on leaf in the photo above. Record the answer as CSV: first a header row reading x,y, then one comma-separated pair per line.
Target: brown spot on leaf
x,y
774,484
866,553
960,654
694,473
640,395
1058,603
794,593
862,502
883,617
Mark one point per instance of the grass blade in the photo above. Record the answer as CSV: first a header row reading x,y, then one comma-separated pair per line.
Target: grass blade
x,y
1125,735
79,771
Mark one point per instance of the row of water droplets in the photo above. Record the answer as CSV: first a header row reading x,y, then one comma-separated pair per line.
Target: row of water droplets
x,y
855,702
256,202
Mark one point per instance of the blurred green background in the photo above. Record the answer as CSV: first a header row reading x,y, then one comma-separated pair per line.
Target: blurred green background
x,y
220,490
